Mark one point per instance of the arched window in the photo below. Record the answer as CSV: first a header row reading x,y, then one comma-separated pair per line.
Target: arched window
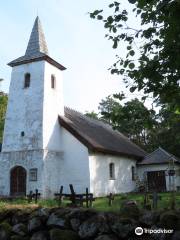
x,y
27,79
111,171
53,81
133,173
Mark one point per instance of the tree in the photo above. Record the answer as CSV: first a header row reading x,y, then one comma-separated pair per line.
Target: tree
x,y
132,118
167,131
155,45
3,106
109,110
92,114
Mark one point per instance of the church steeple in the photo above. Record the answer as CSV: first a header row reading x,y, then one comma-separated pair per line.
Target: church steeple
x,y
37,43
37,48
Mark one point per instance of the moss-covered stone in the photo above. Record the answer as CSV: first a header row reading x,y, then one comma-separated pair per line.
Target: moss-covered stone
x,y
41,235
130,211
58,234
170,220
20,229
5,230
16,237
6,226
20,216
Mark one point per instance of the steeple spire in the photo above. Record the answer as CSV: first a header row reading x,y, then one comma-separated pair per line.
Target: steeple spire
x,y
37,43
37,49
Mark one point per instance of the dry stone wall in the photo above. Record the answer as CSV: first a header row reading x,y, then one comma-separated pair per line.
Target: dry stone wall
x,y
76,224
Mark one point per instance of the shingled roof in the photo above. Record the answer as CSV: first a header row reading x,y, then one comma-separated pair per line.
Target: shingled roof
x,y
99,136
159,156
37,49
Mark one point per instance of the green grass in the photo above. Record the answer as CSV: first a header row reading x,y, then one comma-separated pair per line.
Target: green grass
x,y
100,204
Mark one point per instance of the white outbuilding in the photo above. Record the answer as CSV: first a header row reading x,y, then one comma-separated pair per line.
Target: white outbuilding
x,y
160,170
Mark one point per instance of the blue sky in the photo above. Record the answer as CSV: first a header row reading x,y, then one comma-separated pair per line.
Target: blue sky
x,y
73,39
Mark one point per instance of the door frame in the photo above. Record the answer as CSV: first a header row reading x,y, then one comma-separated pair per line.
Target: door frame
x,y
25,184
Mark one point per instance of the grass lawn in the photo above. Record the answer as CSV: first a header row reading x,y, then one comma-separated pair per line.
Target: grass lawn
x,y
100,204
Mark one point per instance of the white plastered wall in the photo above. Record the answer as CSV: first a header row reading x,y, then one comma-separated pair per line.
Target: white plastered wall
x,y
52,107
75,164
26,159
100,182
25,109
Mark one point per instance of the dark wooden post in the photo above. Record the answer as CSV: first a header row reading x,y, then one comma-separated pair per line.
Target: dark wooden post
x,y
60,195
155,200
73,194
87,203
111,198
36,195
30,196
81,200
145,202
91,200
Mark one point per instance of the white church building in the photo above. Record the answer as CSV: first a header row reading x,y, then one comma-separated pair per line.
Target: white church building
x,y
46,145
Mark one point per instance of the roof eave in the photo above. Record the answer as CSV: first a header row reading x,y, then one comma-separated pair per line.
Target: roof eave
x,y
46,57
116,153
155,163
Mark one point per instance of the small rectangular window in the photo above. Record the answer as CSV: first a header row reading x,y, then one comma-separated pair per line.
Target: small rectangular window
x,y
53,81
33,174
133,173
22,134
111,171
27,79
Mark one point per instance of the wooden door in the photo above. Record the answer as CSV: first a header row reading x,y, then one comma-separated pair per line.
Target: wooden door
x,y
156,181
18,181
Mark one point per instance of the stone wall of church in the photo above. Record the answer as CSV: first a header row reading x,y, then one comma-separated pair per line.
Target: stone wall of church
x,y
100,181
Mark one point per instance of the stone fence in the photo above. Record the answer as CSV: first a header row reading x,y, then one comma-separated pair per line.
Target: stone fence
x,y
81,223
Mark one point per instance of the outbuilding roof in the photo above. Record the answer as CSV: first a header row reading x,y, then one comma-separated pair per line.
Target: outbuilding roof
x,y
159,156
99,136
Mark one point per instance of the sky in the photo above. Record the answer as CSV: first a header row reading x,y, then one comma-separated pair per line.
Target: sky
x,y
73,39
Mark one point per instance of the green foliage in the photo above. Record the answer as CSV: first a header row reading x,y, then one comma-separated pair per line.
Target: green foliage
x,y
155,45
166,132
132,118
91,114
143,126
3,106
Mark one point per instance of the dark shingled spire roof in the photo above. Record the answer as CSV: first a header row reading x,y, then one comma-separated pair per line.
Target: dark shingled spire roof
x,y
98,136
37,42
37,48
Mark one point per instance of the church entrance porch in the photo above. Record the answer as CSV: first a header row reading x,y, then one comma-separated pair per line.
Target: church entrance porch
x,y
18,181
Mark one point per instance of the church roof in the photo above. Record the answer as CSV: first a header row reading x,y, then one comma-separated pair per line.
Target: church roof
x,y
99,136
37,48
159,156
